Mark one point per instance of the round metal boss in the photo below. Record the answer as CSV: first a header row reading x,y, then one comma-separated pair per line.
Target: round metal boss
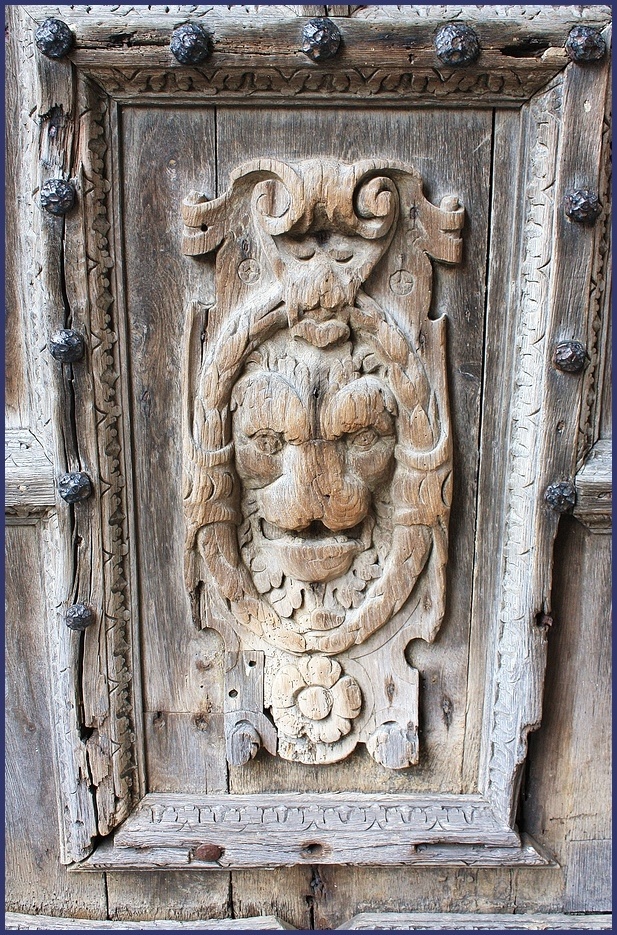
x,y
561,496
570,356
57,196
585,44
457,44
54,38
79,617
191,44
67,346
582,205
321,39
74,486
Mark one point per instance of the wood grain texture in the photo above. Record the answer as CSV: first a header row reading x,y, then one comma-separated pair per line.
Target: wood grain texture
x,y
28,473
405,922
15,920
317,453
416,139
594,488
36,882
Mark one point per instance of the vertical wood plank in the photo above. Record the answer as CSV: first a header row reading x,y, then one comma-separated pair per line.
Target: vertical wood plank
x,y
437,143
36,881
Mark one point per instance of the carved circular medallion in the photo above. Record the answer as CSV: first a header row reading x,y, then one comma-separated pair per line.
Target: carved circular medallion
x,y
401,282
249,271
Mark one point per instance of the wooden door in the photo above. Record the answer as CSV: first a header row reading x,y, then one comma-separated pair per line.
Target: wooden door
x,y
308,444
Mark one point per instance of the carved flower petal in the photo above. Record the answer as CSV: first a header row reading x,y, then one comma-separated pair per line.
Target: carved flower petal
x,y
289,721
347,697
329,730
322,671
286,683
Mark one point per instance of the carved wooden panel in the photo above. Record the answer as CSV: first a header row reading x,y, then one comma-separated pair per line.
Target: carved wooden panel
x,y
318,450
319,413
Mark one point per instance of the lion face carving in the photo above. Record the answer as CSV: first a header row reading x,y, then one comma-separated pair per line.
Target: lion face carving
x,y
319,455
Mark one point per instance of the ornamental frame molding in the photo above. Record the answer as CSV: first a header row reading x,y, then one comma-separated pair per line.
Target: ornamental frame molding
x,y
98,738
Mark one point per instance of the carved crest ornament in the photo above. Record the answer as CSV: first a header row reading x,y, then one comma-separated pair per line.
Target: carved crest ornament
x,y
318,451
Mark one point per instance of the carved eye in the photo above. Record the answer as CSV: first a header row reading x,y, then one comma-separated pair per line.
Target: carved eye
x,y
267,441
341,256
364,439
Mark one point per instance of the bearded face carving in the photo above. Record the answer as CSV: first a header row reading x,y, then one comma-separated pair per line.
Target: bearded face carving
x,y
317,450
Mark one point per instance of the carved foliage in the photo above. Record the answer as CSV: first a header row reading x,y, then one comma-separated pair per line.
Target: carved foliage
x,y
318,453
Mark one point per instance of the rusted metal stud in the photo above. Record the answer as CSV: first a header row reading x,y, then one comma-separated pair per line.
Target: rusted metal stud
x,y
57,196
74,486
585,44
321,39
191,44
582,205
208,852
67,346
457,44
570,356
561,496
79,617
54,38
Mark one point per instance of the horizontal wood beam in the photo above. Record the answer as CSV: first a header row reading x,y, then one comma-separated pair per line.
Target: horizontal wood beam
x,y
495,921
594,489
18,920
29,474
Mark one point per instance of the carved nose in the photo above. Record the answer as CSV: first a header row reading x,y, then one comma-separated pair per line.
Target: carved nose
x,y
316,486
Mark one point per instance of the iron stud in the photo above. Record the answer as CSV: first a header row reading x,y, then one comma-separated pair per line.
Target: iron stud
x,y
67,346
582,205
57,196
191,44
321,39
457,44
570,356
79,617
585,44
561,496
54,38
74,486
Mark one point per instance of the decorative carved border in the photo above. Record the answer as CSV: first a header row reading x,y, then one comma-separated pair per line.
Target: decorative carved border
x,y
104,750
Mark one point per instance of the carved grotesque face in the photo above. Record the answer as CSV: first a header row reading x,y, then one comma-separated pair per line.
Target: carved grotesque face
x,y
314,439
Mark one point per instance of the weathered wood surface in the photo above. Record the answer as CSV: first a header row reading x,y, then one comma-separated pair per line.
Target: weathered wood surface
x,y
130,55
569,825
28,474
15,920
418,139
36,880
594,488
427,921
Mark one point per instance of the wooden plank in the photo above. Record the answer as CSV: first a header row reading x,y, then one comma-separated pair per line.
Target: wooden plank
x,y
435,144
15,920
412,921
567,793
589,870
291,857
35,879
594,488
29,475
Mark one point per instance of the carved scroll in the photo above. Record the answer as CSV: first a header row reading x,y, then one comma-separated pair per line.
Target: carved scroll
x,y
318,451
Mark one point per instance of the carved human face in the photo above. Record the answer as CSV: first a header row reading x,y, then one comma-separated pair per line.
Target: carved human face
x,y
314,439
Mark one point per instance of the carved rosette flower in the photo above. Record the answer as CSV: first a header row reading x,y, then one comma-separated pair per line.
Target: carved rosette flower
x,y
313,699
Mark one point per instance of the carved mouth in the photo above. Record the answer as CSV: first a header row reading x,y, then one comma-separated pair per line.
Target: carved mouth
x,y
314,553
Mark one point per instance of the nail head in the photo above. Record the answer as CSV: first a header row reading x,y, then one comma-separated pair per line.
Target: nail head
x,y
67,346
321,39
57,196
74,486
561,496
570,356
79,617
457,44
54,38
585,44
191,44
